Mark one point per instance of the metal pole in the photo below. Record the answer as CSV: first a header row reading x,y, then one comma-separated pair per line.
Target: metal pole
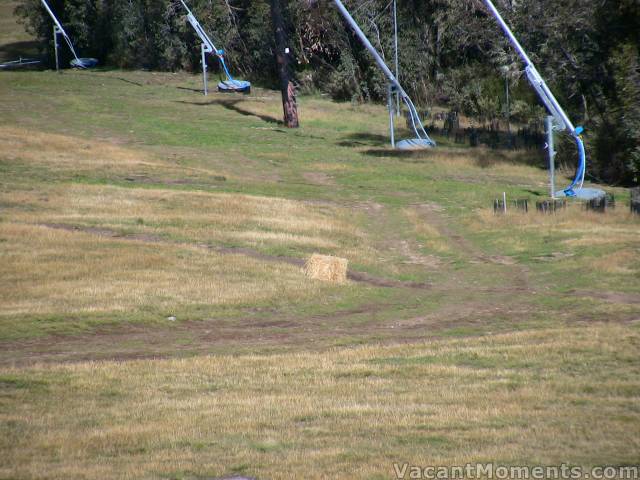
x,y
365,41
395,41
532,74
506,81
552,157
55,47
508,32
418,128
203,50
53,17
390,103
60,30
551,103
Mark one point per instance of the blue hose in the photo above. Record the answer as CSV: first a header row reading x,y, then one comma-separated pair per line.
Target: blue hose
x,y
224,65
579,178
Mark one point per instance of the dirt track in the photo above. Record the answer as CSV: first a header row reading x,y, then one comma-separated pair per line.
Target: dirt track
x,y
464,306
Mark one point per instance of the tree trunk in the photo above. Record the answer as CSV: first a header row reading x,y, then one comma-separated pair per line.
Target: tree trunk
x,y
283,58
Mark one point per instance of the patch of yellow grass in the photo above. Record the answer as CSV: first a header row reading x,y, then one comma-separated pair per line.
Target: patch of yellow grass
x,y
505,166
549,397
48,148
48,270
574,216
79,155
330,167
260,238
584,227
44,270
216,218
432,237
620,262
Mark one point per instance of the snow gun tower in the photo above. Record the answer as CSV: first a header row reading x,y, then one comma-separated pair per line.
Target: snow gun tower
x,y
228,85
421,140
77,62
559,119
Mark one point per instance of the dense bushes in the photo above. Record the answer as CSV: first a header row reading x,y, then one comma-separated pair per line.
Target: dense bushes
x,y
451,53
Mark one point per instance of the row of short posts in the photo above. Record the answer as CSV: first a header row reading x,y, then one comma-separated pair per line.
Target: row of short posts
x,y
600,204
551,206
500,204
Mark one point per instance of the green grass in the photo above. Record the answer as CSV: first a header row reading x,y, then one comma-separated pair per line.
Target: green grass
x,y
510,339
119,193
234,146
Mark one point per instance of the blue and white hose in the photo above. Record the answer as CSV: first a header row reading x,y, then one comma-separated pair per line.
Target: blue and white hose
x,y
578,181
220,54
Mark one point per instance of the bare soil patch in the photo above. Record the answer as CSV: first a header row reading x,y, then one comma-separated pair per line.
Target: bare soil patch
x,y
607,296
319,178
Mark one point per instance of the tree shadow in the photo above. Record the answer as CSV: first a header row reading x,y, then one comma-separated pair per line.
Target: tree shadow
x,y
488,158
14,50
408,156
197,90
130,82
125,80
232,104
363,140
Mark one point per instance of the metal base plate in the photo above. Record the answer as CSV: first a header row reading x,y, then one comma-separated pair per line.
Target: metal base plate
x,y
582,194
238,86
22,63
414,144
84,62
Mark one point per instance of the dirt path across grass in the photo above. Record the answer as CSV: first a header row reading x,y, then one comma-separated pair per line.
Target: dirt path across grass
x,y
465,308
352,275
513,274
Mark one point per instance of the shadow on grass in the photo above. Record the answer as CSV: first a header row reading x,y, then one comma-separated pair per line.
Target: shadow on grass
x,y
130,82
197,90
481,157
409,156
232,104
15,50
487,158
103,69
364,140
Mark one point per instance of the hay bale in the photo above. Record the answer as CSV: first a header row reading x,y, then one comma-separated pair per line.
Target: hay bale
x,y
326,268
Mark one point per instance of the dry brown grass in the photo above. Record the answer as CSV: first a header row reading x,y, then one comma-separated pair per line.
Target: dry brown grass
x,y
331,167
505,166
432,237
548,397
46,271
326,268
200,216
64,153
585,228
574,217
52,271
624,262
218,218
